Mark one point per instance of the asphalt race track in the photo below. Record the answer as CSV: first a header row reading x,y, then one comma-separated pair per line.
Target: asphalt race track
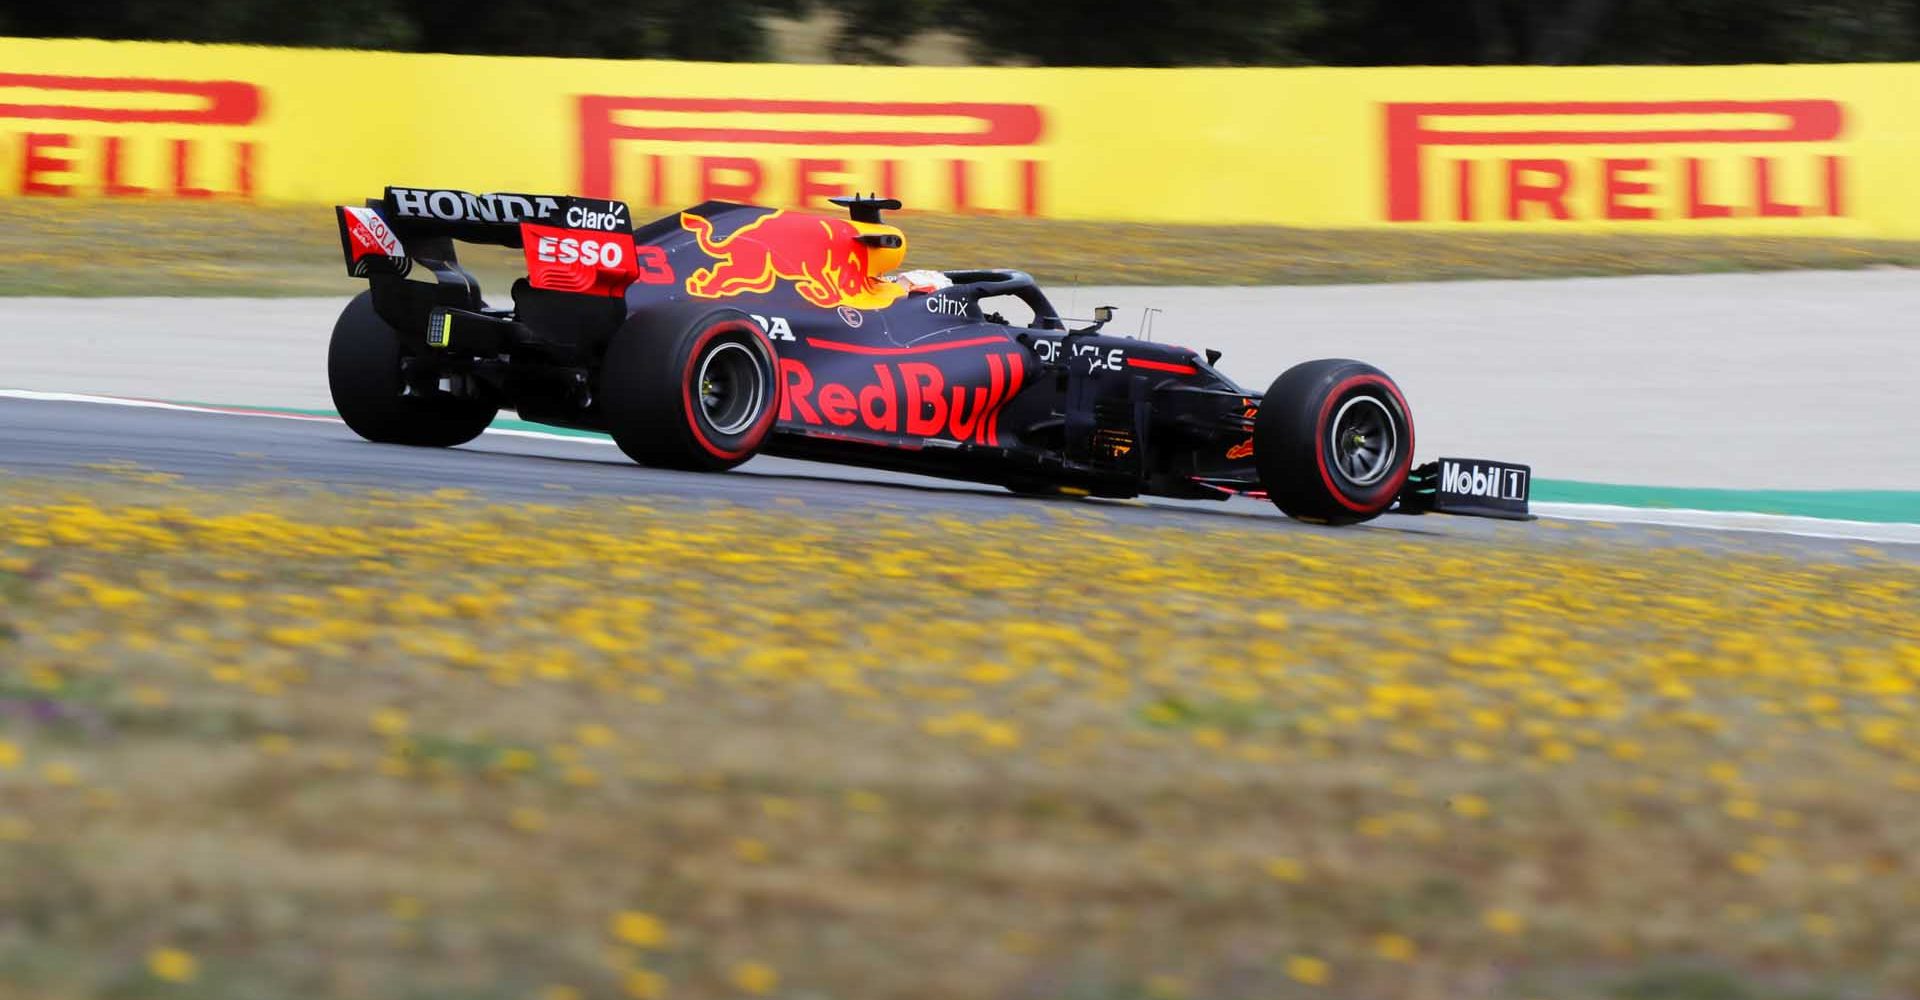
x,y
1732,381
68,440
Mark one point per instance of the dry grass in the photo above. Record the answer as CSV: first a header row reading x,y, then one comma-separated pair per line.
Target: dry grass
x,y
94,248
272,745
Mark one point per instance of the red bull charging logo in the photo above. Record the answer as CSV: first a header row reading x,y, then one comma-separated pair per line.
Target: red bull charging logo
x,y
823,257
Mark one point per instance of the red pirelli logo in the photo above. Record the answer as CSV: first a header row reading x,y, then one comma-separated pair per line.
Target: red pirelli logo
x,y
181,161
681,139
1420,135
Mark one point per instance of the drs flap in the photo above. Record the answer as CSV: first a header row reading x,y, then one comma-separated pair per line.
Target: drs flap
x,y
496,218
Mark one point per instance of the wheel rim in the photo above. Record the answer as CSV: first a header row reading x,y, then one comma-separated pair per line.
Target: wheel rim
x,y
731,384
1365,441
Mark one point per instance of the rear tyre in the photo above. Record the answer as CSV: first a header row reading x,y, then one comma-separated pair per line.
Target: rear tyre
x,y
1333,441
699,395
363,372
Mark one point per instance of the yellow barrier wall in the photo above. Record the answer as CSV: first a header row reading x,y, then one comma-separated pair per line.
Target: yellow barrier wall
x,y
1776,149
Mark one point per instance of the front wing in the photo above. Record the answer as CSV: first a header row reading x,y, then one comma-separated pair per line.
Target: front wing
x,y
1473,486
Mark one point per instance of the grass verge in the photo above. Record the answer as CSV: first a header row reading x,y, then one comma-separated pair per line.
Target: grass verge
x,y
160,248
272,744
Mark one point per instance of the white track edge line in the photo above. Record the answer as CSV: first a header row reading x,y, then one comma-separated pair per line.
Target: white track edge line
x,y
546,436
1891,532
152,404
1714,520
243,411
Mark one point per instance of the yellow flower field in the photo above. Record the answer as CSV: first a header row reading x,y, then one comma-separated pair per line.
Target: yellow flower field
x,y
280,744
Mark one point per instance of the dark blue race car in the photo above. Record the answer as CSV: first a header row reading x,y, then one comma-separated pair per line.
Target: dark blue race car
x,y
724,331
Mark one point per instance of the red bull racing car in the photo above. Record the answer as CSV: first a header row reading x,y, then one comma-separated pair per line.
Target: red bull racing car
x,y
705,337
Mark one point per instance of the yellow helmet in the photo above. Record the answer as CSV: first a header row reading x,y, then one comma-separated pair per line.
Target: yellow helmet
x,y
886,246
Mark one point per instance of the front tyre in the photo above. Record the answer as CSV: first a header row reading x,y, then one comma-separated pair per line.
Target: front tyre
x,y
1333,441
698,395
363,373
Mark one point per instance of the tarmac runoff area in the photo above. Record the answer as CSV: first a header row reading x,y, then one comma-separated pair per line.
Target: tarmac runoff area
x,y
44,436
1796,381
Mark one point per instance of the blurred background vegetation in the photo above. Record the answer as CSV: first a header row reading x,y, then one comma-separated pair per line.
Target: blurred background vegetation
x,y
1051,33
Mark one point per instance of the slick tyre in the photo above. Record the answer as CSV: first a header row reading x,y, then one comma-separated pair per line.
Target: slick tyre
x,y
1333,441
698,394
363,372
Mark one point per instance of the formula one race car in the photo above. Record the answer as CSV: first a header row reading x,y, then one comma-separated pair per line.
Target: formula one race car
x,y
714,334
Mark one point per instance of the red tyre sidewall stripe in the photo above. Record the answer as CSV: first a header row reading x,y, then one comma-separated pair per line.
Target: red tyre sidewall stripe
x,y
751,439
1399,478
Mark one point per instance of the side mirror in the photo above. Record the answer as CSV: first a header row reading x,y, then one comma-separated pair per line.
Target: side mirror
x,y
1103,314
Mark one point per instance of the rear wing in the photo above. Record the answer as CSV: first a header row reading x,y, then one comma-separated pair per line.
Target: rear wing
x,y
404,225
580,258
